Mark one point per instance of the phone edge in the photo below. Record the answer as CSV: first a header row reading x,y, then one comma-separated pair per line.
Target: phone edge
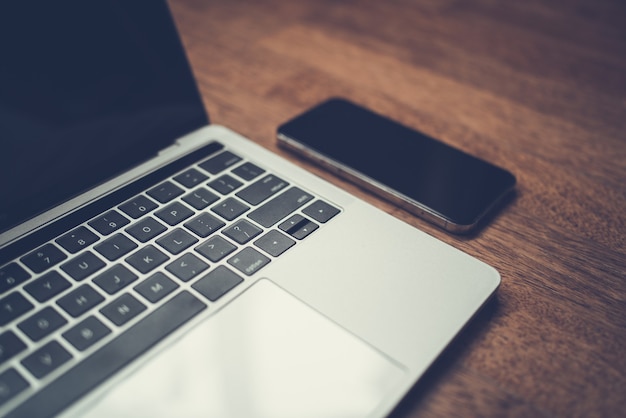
x,y
375,187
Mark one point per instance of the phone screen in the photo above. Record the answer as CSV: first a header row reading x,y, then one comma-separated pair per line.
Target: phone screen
x,y
428,176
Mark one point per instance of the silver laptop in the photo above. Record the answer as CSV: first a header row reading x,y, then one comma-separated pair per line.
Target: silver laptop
x,y
153,264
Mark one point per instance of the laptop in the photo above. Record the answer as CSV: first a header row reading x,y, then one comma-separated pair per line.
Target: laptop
x,y
154,264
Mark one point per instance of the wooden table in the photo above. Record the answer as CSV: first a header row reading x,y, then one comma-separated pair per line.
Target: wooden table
x,y
538,87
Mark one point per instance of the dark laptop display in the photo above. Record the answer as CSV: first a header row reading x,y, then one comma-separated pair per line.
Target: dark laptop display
x,y
86,90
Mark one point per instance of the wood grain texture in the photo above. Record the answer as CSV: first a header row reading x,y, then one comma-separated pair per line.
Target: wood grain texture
x,y
538,87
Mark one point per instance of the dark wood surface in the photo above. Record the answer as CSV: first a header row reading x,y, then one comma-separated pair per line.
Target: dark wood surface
x,y
538,87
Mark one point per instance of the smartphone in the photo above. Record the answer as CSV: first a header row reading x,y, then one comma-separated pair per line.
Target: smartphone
x,y
426,177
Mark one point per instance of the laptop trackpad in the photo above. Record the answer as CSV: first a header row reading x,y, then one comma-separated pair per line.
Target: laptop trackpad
x,y
266,355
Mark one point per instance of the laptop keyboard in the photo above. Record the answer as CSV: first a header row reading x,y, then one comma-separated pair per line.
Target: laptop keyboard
x,y
81,306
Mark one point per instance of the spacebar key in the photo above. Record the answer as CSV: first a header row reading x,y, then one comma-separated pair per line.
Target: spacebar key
x,y
103,363
280,206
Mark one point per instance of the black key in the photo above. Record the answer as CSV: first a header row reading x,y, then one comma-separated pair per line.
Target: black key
x,y
204,224
220,162
115,279
248,261
174,213
217,283
138,206
47,359
11,275
262,189
216,248
86,333
156,287
76,240
304,230
10,345
146,229
177,241
47,286
115,247
42,324
113,356
225,184
123,309
82,266
274,243
320,211
13,306
293,223
242,231
187,267
200,198
109,222
248,171
146,259
298,226
190,178
230,209
43,258
165,192
11,384
280,206
80,300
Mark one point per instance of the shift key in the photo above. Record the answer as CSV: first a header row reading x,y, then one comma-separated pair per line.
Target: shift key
x,y
280,206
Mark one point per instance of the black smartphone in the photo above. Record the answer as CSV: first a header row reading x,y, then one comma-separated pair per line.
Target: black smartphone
x,y
433,180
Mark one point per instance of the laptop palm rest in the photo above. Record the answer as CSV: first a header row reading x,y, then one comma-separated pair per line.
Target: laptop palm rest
x,y
253,359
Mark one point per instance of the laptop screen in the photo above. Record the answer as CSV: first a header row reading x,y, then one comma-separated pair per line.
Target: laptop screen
x,y
87,90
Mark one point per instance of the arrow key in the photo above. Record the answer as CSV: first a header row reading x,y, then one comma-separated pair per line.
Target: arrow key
x,y
274,243
321,211
298,226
